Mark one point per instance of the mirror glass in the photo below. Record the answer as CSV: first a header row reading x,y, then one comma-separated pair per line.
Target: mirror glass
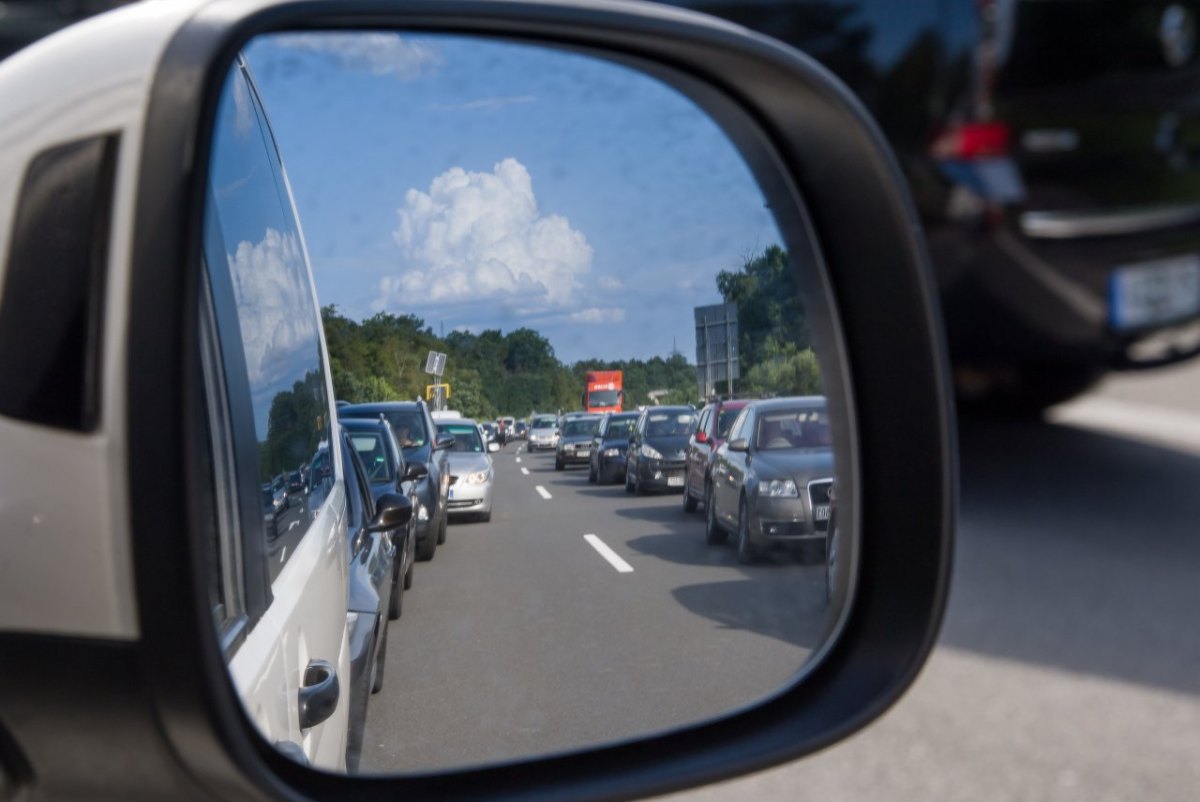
x,y
553,283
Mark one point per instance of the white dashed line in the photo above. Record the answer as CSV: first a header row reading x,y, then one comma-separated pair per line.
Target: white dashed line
x,y
283,554
543,492
525,471
613,558
518,459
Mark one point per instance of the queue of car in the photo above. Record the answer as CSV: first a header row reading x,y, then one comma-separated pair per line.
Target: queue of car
x,y
763,469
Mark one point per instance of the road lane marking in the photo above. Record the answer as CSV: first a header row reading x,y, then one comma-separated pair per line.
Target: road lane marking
x,y
525,471
283,554
543,492
518,459
613,558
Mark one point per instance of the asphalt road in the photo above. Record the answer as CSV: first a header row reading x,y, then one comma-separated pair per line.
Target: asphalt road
x,y
1069,661
522,638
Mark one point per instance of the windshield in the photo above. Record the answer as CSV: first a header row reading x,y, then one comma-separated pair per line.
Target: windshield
x,y
580,426
604,398
805,427
670,424
373,453
620,427
547,422
725,420
408,428
466,436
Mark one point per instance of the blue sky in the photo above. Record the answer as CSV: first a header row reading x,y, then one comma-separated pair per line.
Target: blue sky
x,y
483,184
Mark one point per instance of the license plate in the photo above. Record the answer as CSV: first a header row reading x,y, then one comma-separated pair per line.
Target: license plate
x,y
674,481
582,452
1152,293
821,513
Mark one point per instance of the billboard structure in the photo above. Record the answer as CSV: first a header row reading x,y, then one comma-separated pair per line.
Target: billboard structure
x,y
716,349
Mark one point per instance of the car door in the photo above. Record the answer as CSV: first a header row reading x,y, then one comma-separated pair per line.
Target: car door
x,y
270,410
729,469
697,455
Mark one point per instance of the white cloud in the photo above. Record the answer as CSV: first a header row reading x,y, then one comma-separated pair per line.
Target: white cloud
x,y
270,283
377,53
488,103
595,314
481,236
609,283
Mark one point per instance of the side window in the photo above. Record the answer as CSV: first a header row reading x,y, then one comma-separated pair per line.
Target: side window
x,y
735,431
702,426
254,253
358,507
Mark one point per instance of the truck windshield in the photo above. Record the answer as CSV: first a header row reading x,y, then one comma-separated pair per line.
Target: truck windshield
x,y
604,398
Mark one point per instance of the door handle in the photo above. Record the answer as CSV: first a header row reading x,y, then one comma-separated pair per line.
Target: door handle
x,y
318,694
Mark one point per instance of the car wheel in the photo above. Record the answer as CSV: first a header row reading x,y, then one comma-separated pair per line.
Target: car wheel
x,y
441,538
689,503
714,535
396,599
745,549
558,465
380,661
592,478
628,480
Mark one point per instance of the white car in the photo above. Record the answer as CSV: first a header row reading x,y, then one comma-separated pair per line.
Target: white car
x,y
543,432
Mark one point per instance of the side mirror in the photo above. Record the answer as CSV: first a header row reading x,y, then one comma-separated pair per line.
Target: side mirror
x,y
443,441
740,444
415,472
493,446
392,511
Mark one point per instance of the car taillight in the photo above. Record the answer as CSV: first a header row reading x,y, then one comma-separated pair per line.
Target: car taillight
x,y
972,141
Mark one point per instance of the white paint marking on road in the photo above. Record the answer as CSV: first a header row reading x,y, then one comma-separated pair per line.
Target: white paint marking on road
x,y
518,459
1169,427
283,554
293,525
543,492
613,558
525,471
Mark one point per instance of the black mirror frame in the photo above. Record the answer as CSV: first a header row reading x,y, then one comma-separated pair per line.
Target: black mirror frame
x,y
805,137
392,511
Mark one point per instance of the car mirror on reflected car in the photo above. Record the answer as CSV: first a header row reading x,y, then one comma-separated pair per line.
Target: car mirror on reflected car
x,y
529,172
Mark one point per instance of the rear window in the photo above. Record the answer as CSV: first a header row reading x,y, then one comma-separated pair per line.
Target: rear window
x,y
725,420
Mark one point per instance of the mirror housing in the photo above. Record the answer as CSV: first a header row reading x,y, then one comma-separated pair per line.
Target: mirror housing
x,y
415,472
392,511
702,437
493,446
741,444
828,175
443,441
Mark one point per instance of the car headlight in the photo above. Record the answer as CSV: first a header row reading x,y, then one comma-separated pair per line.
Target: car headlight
x,y
650,452
478,478
779,488
612,452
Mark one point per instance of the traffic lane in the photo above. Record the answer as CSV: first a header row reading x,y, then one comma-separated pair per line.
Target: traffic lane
x,y
519,638
1066,664
782,597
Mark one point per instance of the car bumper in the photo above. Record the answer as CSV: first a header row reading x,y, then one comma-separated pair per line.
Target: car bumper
x,y
469,499
783,520
662,474
610,466
540,445
574,457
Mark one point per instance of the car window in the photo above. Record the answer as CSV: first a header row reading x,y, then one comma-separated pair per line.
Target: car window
x,y
739,424
253,237
725,420
702,426
793,428
373,453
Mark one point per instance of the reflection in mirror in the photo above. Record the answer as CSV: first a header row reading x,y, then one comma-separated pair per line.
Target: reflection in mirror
x,y
558,308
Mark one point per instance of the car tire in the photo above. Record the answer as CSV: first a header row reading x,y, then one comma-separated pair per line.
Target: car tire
x,y
746,553
427,547
714,534
592,477
441,538
628,480
380,661
689,503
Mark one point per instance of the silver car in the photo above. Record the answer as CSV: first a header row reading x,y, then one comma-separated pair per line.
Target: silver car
x,y
543,432
471,471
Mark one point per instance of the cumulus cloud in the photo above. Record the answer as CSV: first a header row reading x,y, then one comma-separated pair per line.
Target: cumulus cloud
x,y
378,53
270,282
609,283
481,236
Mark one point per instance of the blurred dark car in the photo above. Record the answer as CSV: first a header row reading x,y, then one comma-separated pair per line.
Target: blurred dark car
x,y
520,430
575,441
771,479
657,448
372,560
1053,151
415,432
715,420
388,473
609,446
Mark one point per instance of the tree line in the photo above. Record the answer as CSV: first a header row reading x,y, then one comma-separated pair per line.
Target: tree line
x,y
493,373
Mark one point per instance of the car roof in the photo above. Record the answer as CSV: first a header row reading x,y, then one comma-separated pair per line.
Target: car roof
x,y
383,406
790,402
361,423
673,408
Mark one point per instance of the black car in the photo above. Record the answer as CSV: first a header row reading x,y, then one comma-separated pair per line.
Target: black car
x,y
607,461
373,557
417,436
388,473
1055,171
575,441
657,454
